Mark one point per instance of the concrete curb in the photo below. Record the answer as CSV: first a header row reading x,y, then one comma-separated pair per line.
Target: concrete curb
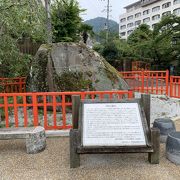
x,y
57,133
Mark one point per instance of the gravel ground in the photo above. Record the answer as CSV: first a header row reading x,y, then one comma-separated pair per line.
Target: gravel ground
x,y
53,163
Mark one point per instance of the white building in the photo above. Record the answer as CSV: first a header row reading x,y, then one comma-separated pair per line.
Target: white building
x,y
146,11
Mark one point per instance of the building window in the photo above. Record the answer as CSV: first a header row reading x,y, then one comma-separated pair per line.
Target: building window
x,y
156,17
176,2
123,27
176,11
146,20
129,32
130,17
137,15
166,13
129,25
146,12
123,34
157,8
166,5
123,20
137,23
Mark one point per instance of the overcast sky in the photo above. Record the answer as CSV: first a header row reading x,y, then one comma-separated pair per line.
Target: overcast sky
x,y
95,8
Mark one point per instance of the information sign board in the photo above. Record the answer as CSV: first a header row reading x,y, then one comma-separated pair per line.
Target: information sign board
x,y
112,124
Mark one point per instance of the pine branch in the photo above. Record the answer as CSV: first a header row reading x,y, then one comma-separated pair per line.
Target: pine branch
x,y
11,6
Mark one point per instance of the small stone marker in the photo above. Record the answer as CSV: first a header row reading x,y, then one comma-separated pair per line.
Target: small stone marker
x,y
112,127
36,142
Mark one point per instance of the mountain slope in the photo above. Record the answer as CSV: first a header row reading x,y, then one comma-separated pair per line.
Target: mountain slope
x,y
99,24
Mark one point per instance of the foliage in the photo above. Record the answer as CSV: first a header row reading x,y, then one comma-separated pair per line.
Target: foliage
x,y
19,20
164,34
12,62
115,49
66,21
73,81
154,46
98,47
157,44
86,28
110,51
140,41
101,36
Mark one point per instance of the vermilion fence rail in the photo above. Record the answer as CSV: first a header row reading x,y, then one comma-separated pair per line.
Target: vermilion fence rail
x,y
175,86
51,110
13,85
153,82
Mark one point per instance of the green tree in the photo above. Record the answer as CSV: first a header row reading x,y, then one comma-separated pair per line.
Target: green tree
x,y
140,41
86,31
165,32
19,20
101,36
66,20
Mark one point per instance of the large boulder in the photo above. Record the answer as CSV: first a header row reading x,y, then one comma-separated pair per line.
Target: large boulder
x,y
71,67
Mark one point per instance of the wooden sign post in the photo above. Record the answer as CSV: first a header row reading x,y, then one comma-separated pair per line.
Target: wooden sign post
x,y
112,127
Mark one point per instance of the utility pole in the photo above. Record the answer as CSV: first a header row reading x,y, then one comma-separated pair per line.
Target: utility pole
x,y
48,21
107,21
107,10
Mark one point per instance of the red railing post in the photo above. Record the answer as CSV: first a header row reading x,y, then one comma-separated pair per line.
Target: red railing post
x,y
6,113
171,86
25,111
13,85
167,82
35,109
15,110
35,102
130,94
20,85
45,112
64,110
142,79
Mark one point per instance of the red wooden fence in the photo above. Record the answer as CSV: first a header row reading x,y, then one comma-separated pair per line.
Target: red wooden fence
x,y
140,66
154,82
13,85
175,86
51,110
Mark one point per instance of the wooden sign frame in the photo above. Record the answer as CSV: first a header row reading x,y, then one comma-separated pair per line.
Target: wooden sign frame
x,y
151,134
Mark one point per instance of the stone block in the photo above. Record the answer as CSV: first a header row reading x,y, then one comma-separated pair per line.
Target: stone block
x,y
36,141
35,137
173,147
166,126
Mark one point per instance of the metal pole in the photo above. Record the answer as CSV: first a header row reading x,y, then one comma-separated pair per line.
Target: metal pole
x,y
107,31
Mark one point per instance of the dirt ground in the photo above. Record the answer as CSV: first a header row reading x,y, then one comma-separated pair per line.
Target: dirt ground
x,y
53,164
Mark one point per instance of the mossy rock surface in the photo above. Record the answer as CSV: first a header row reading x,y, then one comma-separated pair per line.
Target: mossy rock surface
x,y
72,67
